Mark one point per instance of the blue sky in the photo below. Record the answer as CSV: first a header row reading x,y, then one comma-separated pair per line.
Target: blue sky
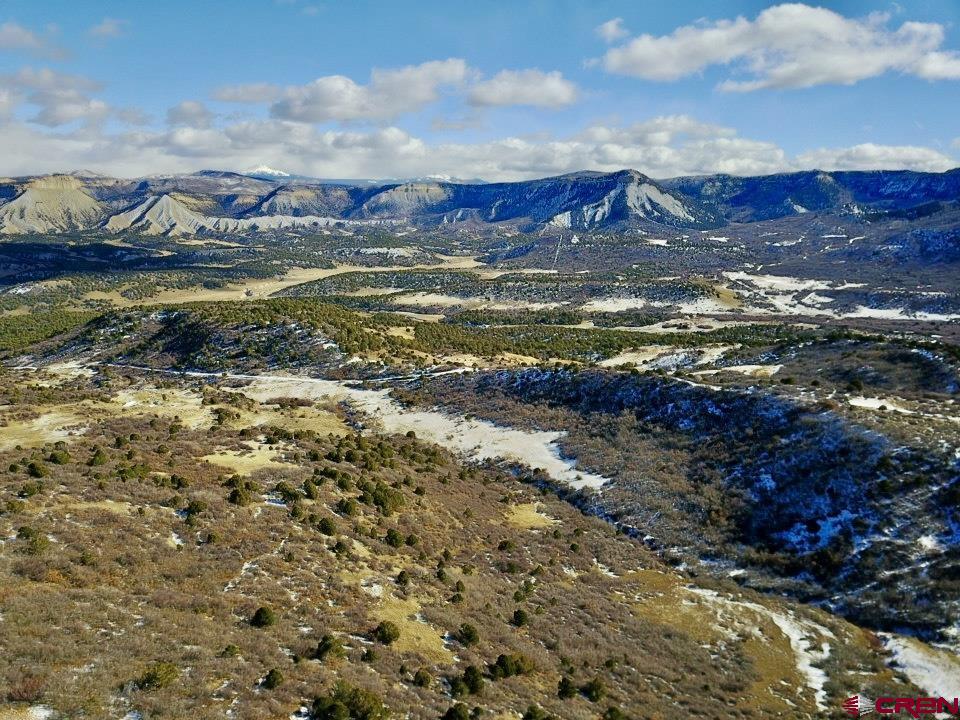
x,y
500,90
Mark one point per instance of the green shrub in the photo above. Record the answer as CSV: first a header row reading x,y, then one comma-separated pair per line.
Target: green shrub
x,y
509,665
346,702
158,676
329,648
29,489
594,690
273,679
386,632
422,678
473,679
263,617
457,712
59,457
468,635
566,689
327,526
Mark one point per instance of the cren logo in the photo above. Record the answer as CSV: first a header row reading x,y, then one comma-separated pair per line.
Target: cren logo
x,y
857,705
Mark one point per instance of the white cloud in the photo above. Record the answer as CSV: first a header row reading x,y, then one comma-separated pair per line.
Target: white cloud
x,y
524,87
612,30
190,113
59,98
869,156
390,93
956,143
663,146
107,28
790,46
14,36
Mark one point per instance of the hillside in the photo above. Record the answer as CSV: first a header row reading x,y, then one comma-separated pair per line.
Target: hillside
x,y
216,544
236,204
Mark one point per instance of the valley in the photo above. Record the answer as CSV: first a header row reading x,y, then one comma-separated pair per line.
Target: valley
x,y
270,446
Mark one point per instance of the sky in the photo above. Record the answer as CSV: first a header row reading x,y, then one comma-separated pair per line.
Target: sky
x,y
498,90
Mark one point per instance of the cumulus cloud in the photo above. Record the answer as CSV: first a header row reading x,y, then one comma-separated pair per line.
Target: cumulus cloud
x,y
524,87
612,30
869,156
389,93
190,113
59,98
15,37
663,146
107,28
790,46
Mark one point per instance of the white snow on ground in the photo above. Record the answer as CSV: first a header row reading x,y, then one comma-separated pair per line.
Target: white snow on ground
x,y
749,370
802,634
703,305
899,314
782,283
934,670
796,296
613,304
422,299
872,403
475,439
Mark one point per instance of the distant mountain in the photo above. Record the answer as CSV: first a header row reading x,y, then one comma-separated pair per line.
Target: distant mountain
x,y
266,173
746,199
223,202
50,204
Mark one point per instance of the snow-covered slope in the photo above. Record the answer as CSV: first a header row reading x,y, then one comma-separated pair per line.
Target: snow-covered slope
x,y
50,204
166,215
220,201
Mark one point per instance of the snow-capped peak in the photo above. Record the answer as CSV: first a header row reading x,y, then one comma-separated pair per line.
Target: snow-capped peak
x,y
265,170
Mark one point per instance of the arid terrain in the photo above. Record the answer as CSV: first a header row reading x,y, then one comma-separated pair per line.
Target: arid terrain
x,y
404,463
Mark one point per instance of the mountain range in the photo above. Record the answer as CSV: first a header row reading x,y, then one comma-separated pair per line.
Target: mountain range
x,y
212,202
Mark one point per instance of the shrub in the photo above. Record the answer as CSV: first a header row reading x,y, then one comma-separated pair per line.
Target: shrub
x,y
520,617
511,665
594,690
263,617
386,632
273,679
240,496
327,526
473,679
535,712
457,712
29,489
286,493
329,647
566,689
393,538
348,507
468,635
422,678
158,676
59,457
346,702
27,688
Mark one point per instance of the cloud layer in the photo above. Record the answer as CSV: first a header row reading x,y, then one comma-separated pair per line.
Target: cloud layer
x,y
790,46
339,126
663,146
